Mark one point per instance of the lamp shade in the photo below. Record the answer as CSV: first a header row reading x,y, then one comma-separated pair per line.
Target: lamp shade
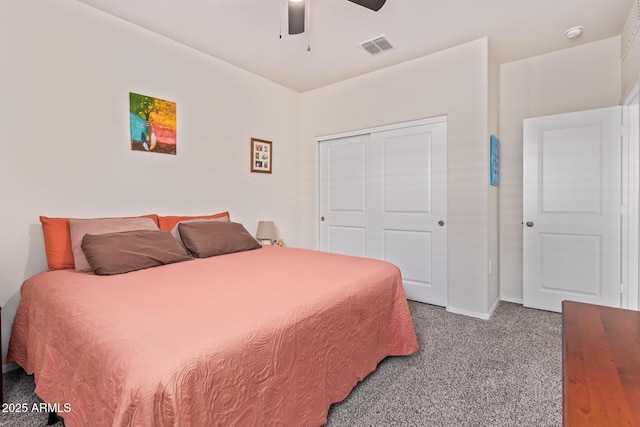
x,y
266,230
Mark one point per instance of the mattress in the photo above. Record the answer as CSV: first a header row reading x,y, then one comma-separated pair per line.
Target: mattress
x,y
271,336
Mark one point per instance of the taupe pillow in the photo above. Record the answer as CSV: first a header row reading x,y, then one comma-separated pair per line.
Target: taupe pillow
x,y
175,231
115,253
206,239
78,228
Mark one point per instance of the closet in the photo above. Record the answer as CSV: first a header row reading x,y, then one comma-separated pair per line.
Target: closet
x,y
382,193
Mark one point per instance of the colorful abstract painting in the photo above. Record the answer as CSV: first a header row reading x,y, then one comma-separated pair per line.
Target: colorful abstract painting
x,y
152,124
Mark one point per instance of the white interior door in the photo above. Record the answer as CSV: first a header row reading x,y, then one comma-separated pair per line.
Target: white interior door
x,y
572,208
383,195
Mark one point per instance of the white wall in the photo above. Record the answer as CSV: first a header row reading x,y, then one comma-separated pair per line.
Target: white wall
x,y
453,83
65,79
631,71
494,191
631,60
631,66
580,78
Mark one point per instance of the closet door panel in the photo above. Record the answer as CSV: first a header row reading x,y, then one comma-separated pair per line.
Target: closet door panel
x,y
382,195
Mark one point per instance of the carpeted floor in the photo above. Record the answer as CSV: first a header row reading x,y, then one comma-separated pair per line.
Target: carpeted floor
x,y
469,372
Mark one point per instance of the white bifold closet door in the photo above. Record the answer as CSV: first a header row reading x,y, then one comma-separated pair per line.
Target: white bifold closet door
x,y
384,195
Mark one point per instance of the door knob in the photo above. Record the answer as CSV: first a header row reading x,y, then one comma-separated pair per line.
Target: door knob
x,y
321,218
441,223
529,223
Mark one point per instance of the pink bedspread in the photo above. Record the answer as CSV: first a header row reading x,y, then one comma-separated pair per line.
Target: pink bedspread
x,y
267,337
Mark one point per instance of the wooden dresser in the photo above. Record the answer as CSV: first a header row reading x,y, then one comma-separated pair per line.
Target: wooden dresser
x,y
600,365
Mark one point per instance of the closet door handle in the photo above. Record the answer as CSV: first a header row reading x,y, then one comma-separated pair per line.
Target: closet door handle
x,y
441,223
321,218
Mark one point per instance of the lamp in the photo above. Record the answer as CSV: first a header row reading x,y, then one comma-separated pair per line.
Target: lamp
x,y
266,232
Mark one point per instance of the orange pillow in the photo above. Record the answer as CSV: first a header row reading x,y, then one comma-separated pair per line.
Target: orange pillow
x,y
57,241
166,223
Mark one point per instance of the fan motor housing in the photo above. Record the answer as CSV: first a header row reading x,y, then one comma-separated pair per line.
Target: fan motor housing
x,y
296,17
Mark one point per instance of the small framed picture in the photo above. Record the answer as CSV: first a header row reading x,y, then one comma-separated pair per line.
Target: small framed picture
x,y
261,155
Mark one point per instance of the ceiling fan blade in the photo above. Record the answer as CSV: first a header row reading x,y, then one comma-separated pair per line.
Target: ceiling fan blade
x,y
296,17
370,4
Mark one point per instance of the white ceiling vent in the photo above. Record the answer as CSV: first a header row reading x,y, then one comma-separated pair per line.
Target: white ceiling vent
x,y
376,45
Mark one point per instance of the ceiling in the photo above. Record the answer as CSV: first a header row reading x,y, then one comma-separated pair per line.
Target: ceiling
x,y
246,32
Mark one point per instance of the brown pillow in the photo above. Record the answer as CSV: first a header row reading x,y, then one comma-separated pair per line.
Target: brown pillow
x,y
205,239
79,227
115,253
175,231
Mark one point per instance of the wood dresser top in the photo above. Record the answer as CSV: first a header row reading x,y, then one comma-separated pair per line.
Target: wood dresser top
x,y
601,365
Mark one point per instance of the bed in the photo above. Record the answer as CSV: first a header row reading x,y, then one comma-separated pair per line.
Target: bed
x,y
263,337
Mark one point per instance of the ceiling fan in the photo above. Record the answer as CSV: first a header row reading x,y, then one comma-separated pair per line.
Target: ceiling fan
x,y
296,12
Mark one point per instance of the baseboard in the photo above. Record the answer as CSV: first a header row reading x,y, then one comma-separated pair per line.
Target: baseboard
x,y
513,300
10,367
495,305
483,316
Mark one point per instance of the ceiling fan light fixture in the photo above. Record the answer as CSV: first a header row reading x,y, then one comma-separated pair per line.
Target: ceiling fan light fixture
x,y
296,16
296,12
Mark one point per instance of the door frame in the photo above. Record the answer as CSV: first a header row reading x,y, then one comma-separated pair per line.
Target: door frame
x,y
321,138
392,126
630,208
